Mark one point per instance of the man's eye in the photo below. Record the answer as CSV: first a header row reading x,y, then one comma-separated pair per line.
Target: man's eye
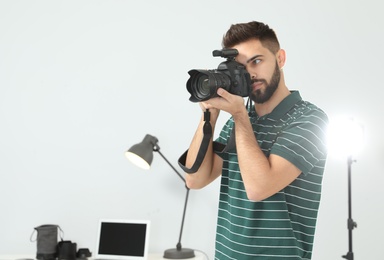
x,y
256,61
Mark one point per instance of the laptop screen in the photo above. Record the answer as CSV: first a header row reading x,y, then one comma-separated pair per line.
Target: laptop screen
x,y
123,239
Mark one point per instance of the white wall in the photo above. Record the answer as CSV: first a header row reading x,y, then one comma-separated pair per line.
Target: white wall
x,y
82,81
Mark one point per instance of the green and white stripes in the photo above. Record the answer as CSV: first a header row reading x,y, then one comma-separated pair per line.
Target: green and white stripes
x,y
282,226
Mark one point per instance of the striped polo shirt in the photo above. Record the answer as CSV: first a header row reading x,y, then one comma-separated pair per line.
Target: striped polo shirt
x,y
283,225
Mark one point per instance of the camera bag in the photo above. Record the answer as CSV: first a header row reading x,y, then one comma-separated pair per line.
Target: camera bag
x,y
47,239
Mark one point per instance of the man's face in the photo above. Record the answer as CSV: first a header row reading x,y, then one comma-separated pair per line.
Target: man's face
x,y
263,68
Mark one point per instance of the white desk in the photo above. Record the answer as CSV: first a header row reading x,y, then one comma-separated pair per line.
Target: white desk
x,y
151,256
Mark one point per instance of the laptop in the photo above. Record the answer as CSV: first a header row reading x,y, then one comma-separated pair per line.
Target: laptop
x,y
120,239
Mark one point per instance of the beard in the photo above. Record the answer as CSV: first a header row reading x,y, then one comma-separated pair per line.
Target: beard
x,y
260,96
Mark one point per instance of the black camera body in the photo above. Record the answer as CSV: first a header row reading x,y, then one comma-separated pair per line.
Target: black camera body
x,y
229,75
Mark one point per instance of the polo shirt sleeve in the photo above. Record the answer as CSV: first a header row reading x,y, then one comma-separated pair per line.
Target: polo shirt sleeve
x,y
303,141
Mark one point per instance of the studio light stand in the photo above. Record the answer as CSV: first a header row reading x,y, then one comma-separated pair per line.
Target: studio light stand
x,y
142,154
351,224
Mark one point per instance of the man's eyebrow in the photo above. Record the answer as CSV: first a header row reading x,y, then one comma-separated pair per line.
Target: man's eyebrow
x,y
254,57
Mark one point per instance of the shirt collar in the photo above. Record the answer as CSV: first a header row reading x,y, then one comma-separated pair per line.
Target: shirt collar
x,y
283,107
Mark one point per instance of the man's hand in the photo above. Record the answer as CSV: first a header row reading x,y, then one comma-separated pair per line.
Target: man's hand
x,y
213,111
232,104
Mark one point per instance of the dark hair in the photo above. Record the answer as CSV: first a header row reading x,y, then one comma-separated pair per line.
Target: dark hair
x,y
242,32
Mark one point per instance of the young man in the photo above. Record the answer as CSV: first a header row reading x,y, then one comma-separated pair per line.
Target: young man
x,y
271,180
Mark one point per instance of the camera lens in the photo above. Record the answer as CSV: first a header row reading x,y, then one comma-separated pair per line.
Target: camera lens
x,y
203,84
202,87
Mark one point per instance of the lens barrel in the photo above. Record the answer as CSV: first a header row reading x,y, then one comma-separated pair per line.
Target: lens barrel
x,y
203,84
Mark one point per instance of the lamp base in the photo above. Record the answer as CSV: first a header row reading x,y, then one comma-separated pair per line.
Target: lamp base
x,y
182,253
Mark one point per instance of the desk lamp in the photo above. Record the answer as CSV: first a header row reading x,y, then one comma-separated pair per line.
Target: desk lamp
x,y
141,154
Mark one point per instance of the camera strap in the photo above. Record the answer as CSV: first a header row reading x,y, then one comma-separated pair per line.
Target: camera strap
x,y
217,147
207,131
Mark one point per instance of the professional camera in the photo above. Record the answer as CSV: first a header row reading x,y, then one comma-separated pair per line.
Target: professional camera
x,y
230,75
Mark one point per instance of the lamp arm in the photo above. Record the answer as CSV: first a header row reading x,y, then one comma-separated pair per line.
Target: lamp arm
x,y
157,149
178,246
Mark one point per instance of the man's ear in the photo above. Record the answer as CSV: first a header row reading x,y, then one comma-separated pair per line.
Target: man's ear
x,y
281,58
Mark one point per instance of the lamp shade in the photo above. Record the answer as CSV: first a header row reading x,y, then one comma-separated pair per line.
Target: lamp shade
x,y
141,154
